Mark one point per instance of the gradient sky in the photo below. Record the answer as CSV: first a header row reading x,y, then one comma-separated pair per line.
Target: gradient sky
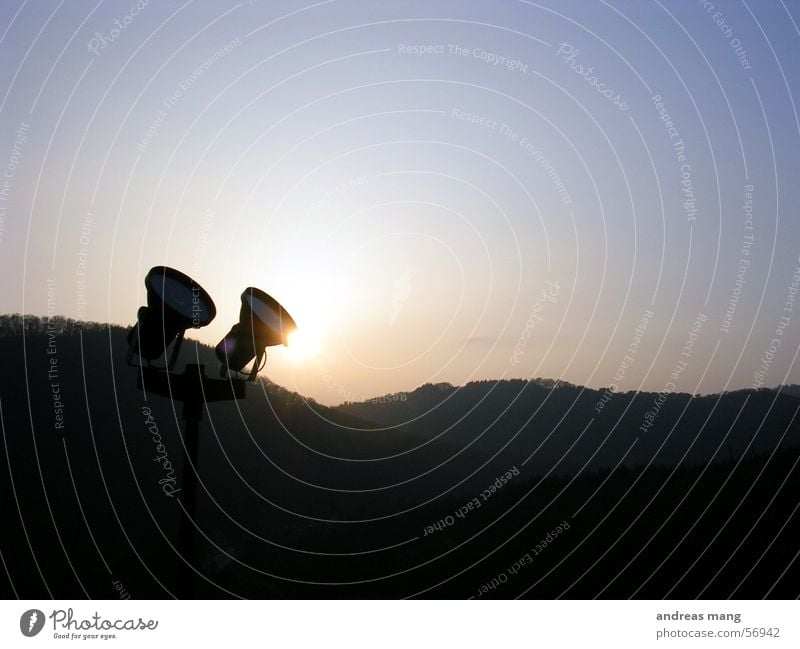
x,y
474,209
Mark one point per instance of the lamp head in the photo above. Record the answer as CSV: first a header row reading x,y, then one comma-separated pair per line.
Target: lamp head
x,y
263,322
175,302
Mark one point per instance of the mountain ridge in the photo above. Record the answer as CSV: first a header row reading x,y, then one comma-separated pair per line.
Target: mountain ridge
x,y
13,325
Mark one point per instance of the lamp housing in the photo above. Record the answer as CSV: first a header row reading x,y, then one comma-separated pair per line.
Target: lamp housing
x,y
263,322
175,302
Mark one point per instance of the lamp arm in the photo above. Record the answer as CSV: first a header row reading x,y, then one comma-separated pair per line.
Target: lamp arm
x,y
258,364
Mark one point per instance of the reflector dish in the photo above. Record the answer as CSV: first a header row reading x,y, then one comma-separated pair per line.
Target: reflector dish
x,y
276,322
181,294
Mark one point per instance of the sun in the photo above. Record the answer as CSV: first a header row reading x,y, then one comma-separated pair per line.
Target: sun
x,y
303,344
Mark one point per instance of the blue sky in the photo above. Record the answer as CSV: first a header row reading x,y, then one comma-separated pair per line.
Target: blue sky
x,y
409,177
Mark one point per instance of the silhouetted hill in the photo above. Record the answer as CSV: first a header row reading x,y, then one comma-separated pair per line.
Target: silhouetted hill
x,y
547,421
378,499
791,390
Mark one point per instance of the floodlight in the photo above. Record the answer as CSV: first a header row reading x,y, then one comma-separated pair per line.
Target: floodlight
x,y
175,302
263,322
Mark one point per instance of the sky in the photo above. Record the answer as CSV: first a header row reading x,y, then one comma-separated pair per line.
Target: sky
x,y
596,192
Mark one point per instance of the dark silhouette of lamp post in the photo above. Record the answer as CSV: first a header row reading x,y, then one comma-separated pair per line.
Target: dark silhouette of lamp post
x,y
176,302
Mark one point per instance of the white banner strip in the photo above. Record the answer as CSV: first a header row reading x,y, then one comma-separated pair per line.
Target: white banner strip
x,y
399,624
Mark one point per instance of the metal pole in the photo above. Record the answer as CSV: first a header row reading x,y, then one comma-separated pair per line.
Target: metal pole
x,y
192,414
194,390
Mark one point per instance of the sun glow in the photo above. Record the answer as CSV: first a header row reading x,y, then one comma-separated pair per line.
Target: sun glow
x,y
303,344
